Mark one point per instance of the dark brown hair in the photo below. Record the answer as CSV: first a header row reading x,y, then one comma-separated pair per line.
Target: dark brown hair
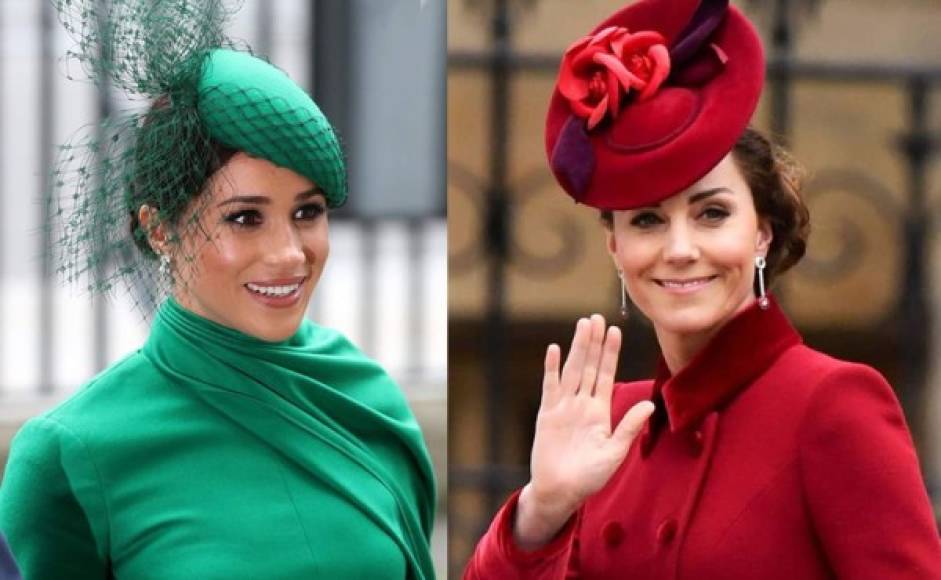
x,y
775,179
190,156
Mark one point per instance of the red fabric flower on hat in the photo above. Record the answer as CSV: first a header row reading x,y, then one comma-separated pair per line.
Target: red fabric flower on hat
x,y
599,70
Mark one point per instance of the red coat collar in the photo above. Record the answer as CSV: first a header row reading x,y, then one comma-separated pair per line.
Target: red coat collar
x,y
736,355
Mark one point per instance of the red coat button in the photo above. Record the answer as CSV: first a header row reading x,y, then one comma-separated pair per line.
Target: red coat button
x,y
613,534
696,443
666,531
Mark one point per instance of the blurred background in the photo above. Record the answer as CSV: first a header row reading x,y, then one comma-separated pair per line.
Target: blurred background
x,y
377,69
854,88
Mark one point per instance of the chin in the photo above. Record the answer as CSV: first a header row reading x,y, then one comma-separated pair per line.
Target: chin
x,y
274,324
685,320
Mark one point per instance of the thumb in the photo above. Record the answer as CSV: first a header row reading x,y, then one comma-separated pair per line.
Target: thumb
x,y
632,422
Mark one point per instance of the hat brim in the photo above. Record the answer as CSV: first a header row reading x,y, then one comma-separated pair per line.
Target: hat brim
x,y
659,147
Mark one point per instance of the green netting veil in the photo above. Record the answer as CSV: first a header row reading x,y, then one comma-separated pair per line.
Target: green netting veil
x,y
202,95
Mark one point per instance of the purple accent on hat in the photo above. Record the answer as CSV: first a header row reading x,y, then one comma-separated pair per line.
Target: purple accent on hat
x,y
704,22
701,69
573,160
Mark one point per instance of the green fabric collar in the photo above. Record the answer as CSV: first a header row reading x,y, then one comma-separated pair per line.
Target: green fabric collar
x,y
318,401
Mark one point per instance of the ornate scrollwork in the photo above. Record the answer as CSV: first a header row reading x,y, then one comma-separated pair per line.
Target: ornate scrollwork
x,y
570,235
466,182
855,243
528,261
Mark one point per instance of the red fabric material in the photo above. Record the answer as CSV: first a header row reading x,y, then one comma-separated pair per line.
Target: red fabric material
x,y
765,459
687,402
498,556
656,147
598,71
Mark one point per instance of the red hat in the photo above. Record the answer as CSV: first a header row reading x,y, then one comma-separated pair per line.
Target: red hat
x,y
652,100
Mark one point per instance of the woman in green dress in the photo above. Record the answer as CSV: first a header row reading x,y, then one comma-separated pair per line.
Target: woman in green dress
x,y
241,440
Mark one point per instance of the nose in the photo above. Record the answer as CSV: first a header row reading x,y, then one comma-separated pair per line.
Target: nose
x,y
285,247
680,246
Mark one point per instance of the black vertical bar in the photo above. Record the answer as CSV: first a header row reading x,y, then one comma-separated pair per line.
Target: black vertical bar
x,y
782,54
368,287
46,124
497,243
313,19
915,315
331,76
265,28
780,106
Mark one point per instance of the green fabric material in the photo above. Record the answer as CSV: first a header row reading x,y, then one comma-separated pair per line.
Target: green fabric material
x,y
211,454
249,105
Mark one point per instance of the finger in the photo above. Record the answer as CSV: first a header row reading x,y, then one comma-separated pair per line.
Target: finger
x,y
550,380
572,369
592,355
608,366
633,422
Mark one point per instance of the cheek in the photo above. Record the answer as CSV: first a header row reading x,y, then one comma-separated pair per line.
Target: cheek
x,y
637,254
316,243
222,258
732,251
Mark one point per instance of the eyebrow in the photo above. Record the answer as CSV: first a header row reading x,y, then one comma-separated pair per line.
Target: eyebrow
x,y
695,197
264,199
707,193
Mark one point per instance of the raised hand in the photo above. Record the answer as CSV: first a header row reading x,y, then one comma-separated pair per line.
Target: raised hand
x,y
575,452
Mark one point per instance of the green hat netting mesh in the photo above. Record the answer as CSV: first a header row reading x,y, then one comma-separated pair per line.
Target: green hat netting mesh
x,y
205,95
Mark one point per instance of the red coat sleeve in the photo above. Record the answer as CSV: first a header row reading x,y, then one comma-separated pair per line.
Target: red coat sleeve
x,y
862,481
498,557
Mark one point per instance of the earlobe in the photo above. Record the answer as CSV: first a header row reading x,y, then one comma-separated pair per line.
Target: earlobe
x,y
151,224
611,243
765,236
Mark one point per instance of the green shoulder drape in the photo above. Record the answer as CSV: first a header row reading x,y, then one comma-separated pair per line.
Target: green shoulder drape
x,y
213,454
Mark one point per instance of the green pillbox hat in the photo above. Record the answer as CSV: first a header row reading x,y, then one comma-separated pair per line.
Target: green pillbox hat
x,y
250,105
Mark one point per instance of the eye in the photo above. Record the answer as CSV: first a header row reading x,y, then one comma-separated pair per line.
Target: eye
x,y
714,214
244,218
310,211
645,220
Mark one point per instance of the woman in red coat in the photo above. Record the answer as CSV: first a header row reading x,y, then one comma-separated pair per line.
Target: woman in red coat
x,y
755,456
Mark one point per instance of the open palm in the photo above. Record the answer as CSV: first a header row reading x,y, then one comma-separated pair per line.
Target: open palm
x,y
575,451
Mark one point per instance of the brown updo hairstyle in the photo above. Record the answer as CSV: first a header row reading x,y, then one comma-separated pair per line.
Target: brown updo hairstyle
x,y
775,179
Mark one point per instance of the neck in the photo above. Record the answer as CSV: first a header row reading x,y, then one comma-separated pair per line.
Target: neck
x,y
679,348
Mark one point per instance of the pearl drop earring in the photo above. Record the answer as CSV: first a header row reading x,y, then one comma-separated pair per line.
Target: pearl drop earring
x,y
624,311
760,264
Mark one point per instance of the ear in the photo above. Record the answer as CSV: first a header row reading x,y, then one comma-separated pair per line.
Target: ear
x,y
611,242
157,232
765,236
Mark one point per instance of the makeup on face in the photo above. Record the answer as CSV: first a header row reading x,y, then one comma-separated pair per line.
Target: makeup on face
x,y
688,262
268,231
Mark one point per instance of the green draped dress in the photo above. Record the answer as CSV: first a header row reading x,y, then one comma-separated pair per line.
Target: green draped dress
x,y
209,454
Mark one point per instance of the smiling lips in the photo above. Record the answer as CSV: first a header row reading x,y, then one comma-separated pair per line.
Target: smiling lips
x,y
685,285
279,293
